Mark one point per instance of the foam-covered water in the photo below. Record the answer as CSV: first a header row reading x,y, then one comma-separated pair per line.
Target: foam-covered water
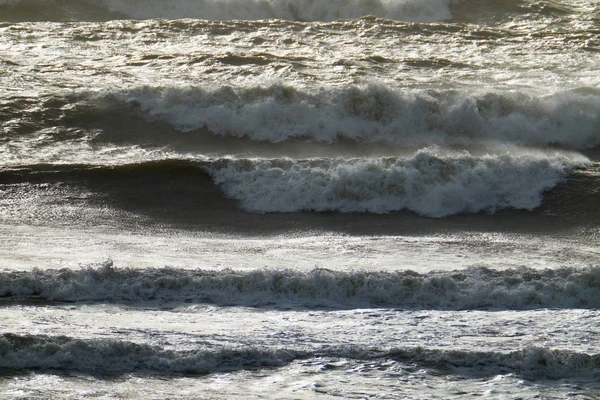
x,y
299,199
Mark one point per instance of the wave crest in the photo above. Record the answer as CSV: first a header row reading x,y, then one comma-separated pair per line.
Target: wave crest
x,y
22,352
428,184
521,288
376,113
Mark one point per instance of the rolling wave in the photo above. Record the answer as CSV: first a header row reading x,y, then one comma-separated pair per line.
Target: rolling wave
x,y
373,113
105,357
365,148
21,352
428,183
277,113
521,288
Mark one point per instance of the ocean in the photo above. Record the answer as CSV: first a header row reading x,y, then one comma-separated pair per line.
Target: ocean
x,y
298,199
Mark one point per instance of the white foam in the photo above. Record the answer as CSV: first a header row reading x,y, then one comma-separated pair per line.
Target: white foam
x,y
375,112
429,184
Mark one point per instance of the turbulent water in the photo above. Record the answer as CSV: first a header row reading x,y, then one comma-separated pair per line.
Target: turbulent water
x,y
299,199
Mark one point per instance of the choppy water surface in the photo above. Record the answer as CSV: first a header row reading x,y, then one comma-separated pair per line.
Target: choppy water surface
x,y
299,199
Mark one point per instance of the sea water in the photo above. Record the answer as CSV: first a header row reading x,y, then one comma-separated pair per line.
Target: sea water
x,y
299,199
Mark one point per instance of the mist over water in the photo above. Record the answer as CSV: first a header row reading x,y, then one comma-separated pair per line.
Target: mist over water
x,y
292,198
407,10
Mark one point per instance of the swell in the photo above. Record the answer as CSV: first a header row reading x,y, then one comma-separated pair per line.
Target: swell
x,y
40,173
54,10
112,357
473,288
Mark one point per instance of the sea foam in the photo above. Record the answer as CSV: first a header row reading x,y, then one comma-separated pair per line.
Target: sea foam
x,y
427,183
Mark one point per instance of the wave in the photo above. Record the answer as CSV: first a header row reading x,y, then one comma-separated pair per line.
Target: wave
x,y
477,287
294,10
501,10
106,357
21,352
428,183
279,113
374,113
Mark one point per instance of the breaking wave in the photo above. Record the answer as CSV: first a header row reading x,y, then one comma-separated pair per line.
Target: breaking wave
x,y
376,113
293,10
276,113
96,356
428,184
478,287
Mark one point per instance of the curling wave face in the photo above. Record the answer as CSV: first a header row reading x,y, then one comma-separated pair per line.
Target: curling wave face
x,y
39,352
430,183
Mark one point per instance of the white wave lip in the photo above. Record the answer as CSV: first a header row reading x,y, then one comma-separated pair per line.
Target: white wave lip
x,y
521,288
427,184
376,113
295,10
19,352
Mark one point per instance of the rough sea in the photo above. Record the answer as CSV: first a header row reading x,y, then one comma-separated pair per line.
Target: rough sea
x,y
299,199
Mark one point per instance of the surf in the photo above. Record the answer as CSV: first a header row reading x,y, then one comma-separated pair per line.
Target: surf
x,y
472,288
